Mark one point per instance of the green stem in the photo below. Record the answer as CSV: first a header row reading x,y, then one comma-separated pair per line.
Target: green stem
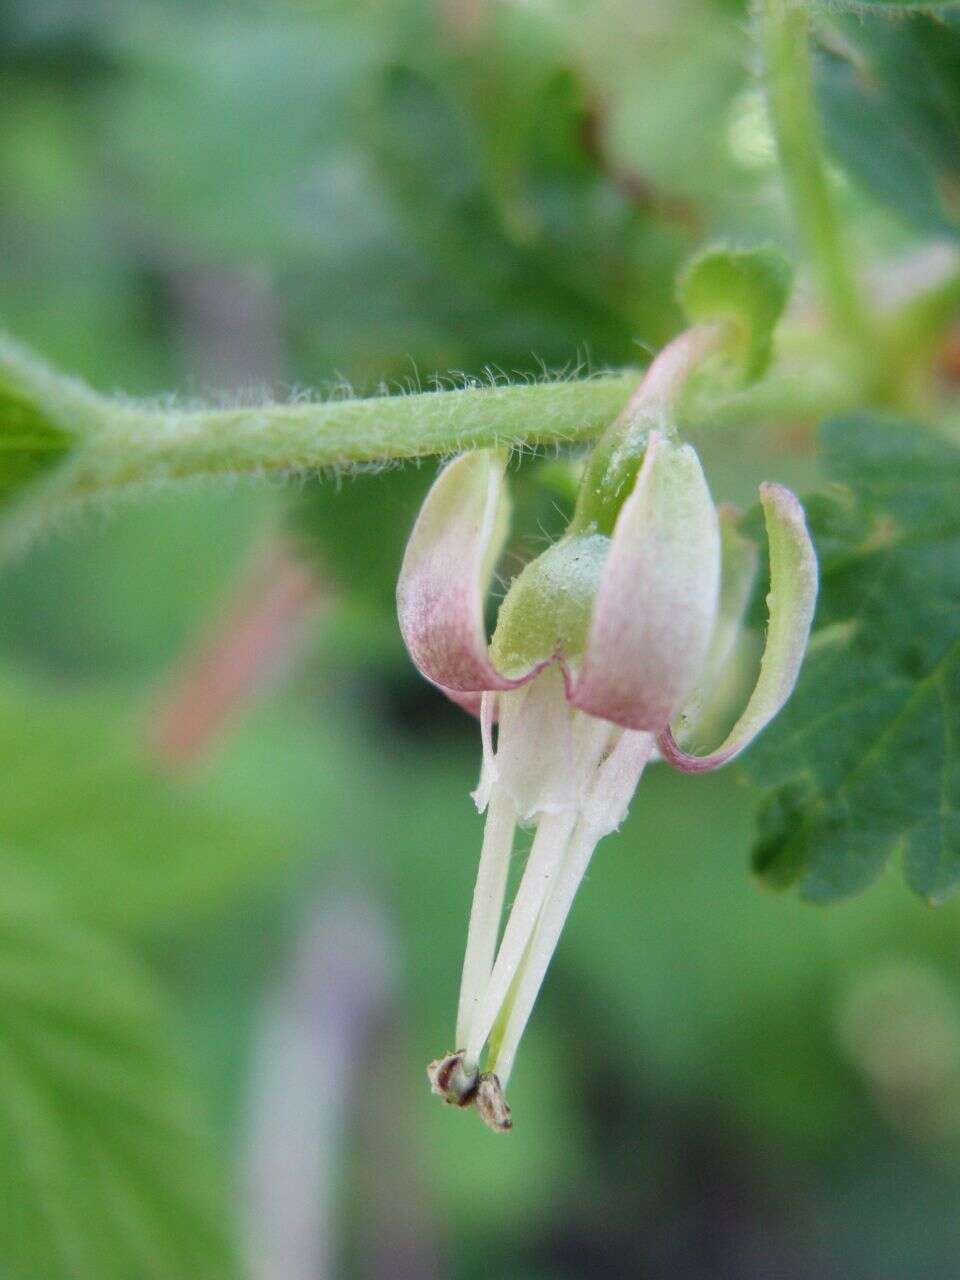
x,y
119,443
132,445
112,445
807,384
784,28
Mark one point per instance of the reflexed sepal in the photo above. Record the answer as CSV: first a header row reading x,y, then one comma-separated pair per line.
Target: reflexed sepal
x,y
791,603
446,571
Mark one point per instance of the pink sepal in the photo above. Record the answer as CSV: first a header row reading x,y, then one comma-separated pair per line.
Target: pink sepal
x,y
446,570
656,603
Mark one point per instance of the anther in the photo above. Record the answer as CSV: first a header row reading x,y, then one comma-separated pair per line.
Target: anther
x,y
492,1105
451,1081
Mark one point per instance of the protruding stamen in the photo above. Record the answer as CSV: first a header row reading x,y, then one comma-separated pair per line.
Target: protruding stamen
x,y
487,907
604,808
547,852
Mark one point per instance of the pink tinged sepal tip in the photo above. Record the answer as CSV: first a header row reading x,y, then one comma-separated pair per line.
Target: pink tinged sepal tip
x,y
791,603
657,599
446,571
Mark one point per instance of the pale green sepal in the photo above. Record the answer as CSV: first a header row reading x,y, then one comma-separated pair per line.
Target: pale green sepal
x,y
791,603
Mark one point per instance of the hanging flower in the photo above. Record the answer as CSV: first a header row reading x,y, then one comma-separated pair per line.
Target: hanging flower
x,y
605,649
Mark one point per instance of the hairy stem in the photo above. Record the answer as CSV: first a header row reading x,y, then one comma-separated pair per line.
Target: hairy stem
x,y
116,445
127,444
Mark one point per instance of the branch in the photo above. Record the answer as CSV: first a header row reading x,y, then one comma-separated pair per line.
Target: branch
x,y
106,446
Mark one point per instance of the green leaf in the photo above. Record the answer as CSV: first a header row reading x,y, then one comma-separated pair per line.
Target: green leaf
x,y
105,1172
866,755
30,443
748,287
890,96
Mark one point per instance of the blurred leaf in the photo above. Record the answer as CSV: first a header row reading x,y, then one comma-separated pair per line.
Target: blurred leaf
x,y
418,203
890,95
110,600
511,58
575,260
665,78
232,110
748,287
125,840
105,1171
357,529
865,755
894,6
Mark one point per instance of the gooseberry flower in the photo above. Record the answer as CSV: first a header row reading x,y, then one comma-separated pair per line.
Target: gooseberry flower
x,y
605,652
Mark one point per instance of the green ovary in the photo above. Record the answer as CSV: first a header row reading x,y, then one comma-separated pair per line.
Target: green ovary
x,y
546,612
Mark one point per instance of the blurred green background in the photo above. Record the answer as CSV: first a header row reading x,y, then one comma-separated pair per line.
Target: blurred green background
x,y
235,889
